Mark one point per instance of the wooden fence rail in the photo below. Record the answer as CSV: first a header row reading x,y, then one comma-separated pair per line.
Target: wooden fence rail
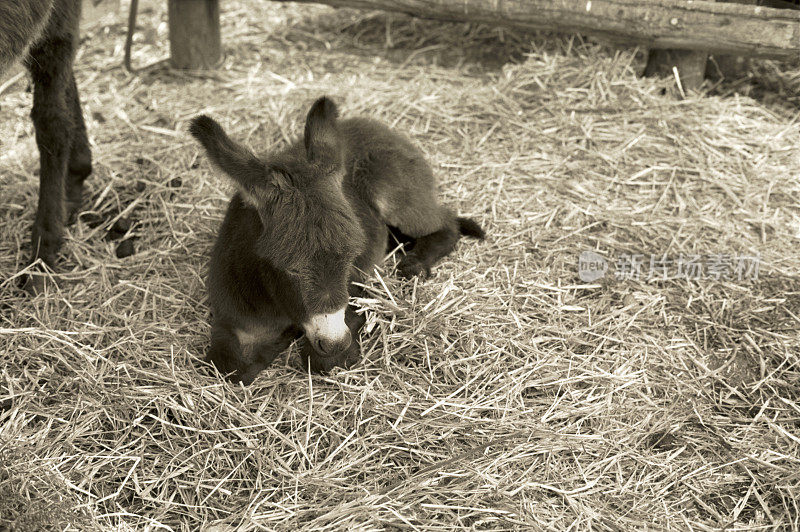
x,y
721,28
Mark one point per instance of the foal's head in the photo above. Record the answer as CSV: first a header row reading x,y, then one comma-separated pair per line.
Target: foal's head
x,y
309,231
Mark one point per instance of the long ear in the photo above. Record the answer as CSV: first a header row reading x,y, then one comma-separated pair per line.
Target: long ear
x,y
247,171
321,134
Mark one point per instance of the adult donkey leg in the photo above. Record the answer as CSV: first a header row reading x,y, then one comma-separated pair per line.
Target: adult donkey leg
x,y
50,64
80,156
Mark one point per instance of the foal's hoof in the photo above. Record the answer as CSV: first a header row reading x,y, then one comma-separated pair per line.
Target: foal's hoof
x,y
411,266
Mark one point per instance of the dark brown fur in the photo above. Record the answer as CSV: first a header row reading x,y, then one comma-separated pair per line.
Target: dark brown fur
x,y
44,33
305,222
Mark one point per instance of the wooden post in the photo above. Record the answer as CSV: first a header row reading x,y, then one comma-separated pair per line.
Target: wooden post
x,y
691,66
194,36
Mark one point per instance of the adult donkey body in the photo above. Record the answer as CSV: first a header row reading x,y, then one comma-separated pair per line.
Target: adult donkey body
x,y
304,223
44,34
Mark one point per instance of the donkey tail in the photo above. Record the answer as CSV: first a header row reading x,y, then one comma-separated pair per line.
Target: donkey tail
x,y
469,227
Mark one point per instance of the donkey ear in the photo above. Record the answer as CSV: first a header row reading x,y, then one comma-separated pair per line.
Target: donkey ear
x,y
246,170
321,134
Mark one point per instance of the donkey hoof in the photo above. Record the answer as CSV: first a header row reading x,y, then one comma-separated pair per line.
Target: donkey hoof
x,y
36,279
411,266
33,284
324,365
74,205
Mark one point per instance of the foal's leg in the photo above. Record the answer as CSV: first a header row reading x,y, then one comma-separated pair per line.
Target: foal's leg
x,y
80,155
243,354
51,70
432,233
427,250
431,229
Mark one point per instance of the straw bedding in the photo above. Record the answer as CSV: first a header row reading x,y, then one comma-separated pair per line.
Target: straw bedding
x,y
502,393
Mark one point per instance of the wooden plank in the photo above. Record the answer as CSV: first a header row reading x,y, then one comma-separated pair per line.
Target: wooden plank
x,y
747,30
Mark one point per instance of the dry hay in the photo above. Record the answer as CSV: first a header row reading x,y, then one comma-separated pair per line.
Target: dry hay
x,y
504,392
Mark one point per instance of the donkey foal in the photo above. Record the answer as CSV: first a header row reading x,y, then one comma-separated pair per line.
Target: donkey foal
x,y
45,34
304,223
